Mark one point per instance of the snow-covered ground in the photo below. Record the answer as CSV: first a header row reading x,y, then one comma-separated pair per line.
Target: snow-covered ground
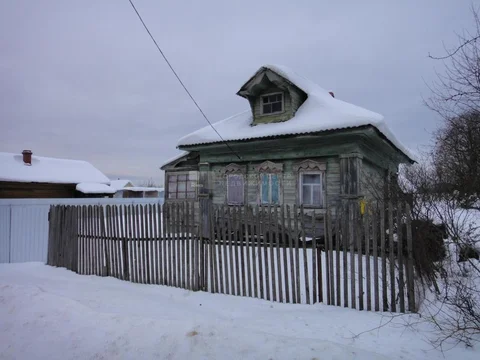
x,y
54,313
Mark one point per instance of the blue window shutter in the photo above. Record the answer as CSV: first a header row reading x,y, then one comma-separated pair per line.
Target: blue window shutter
x,y
274,179
265,188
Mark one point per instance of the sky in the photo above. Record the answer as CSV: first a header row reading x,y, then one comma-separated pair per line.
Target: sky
x,y
83,80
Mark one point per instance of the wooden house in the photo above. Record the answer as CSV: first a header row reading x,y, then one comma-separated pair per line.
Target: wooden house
x,y
27,176
297,144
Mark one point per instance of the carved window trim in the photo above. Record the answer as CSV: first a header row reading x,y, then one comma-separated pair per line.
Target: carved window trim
x,y
235,169
309,165
269,167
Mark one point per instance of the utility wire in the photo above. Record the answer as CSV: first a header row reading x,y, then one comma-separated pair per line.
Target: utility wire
x,y
180,81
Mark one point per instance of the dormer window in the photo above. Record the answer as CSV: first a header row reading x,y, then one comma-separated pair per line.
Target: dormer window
x,y
272,103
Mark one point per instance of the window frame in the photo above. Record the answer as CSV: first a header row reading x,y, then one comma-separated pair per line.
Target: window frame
x,y
194,186
228,188
322,174
271,94
269,174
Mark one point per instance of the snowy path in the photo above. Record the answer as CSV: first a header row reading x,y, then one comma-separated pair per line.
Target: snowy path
x,y
53,313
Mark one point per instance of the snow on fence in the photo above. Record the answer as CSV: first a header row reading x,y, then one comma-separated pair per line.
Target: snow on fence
x,y
24,225
361,261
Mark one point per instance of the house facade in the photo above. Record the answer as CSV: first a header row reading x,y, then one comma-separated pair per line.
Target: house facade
x,y
297,144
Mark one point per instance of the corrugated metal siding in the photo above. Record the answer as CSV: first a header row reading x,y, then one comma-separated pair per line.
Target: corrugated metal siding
x,y
4,234
24,224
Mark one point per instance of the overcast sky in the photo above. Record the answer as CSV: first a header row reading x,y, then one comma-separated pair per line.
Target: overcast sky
x,y
82,79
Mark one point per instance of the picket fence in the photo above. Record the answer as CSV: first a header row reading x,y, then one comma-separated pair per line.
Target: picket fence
x,y
362,259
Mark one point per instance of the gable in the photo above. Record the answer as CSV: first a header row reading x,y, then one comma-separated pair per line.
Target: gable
x,y
266,82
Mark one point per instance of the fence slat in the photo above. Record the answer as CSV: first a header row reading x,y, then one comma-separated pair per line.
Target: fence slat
x,y
401,285
376,275
305,258
255,246
248,247
353,233
130,243
384,257
284,251
236,211
367,257
360,233
345,238
391,257
337,256
188,241
183,243
242,246
331,261
224,232
297,254
266,239
260,239
136,244
272,235
278,258
410,273
213,252
292,262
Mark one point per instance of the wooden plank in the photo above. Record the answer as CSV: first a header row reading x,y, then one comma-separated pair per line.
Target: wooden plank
x,y
305,258
367,257
376,275
384,257
292,261
401,279
91,224
143,243
188,241
353,234
393,306
260,234
153,245
156,242
213,251
284,252
345,235
88,240
173,232
96,243
248,246
224,231
80,240
109,241
221,243
327,231
314,259
272,235
183,244
242,246
130,245
297,254
330,263
163,243
278,257
411,284
236,238
117,243
136,238
360,234
266,238
337,257
255,245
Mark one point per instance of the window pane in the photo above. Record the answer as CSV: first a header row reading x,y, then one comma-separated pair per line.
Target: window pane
x,y
172,187
190,186
182,177
317,194
235,189
274,187
172,195
265,99
311,178
265,188
182,186
192,175
267,108
306,195
181,195
172,178
190,195
276,107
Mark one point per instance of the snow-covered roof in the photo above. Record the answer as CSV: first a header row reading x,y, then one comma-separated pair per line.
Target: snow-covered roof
x,y
119,184
48,170
320,112
94,188
176,157
143,188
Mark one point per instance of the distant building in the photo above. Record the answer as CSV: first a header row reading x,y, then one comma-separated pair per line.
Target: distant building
x,y
27,176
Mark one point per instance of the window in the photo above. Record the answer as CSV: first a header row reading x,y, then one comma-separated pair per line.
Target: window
x,y
235,189
182,186
272,103
269,189
311,189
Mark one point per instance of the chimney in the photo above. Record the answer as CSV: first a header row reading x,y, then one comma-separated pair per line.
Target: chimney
x,y
331,93
27,157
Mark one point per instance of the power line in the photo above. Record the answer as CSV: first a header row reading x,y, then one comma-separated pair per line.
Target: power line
x,y
179,80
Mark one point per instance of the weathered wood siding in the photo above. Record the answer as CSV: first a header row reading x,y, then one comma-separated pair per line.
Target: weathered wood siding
x,y
372,180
